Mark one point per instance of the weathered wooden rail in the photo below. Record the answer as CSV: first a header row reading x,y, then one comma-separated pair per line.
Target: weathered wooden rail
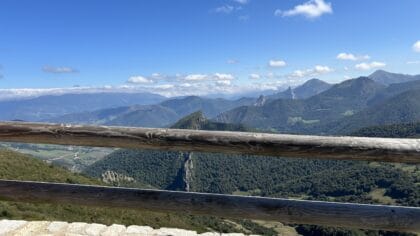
x,y
293,146
394,218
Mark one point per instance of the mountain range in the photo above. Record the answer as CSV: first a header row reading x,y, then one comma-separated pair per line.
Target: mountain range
x,y
160,115
45,107
308,89
341,109
313,107
287,115
387,78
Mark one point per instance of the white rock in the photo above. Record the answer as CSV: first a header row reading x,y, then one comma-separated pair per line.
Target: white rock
x,y
95,229
114,230
134,229
210,234
77,228
57,227
233,234
32,228
170,231
10,225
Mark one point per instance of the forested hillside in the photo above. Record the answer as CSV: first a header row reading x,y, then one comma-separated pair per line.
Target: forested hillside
x,y
197,120
407,130
24,167
402,108
302,116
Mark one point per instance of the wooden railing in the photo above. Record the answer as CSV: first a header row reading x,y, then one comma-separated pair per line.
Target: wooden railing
x,y
363,216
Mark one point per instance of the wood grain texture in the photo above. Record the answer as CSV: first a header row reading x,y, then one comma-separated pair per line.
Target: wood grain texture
x,y
360,216
297,146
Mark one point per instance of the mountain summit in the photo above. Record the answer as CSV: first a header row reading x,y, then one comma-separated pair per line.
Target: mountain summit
x,y
308,89
387,78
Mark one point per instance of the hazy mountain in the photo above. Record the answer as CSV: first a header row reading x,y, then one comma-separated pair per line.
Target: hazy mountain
x,y
209,107
49,106
403,108
393,90
287,115
198,121
286,94
308,89
388,78
145,116
161,115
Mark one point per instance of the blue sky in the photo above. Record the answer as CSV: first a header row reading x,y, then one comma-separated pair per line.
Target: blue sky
x,y
196,46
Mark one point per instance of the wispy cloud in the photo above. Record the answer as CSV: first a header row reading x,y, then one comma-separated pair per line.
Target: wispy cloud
x,y
206,77
352,57
277,63
226,9
317,70
370,66
232,61
413,62
241,1
254,76
310,9
196,77
138,79
59,70
221,76
416,46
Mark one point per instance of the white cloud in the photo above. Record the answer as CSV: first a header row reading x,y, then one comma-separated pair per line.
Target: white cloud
x,y
59,70
241,1
220,76
196,77
164,86
322,69
277,63
139,80
370,66
223,82
416,46
317,70
232,61
204,77
225,9
352,57
310,9
254,76
413,62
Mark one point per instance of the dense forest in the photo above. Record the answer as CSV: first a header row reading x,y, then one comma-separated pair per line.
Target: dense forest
x,y
343,181
408,130
14,165
268,176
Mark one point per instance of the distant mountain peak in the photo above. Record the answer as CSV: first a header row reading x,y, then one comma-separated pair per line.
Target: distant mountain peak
x,y
260,101
308,89
191,121
387,78
314,81
198,121
380,72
